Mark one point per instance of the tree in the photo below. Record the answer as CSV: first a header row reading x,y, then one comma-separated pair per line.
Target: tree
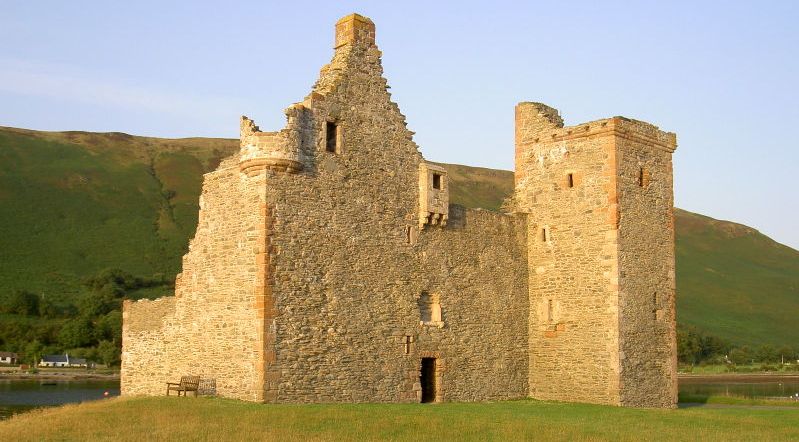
x,y
786,354
47,309
109,327
109,353
767,353
33,352
76,333
22,302
689,347
98,302
741,355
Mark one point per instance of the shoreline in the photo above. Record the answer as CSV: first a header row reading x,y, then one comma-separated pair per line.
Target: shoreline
x,y
59,376
757,377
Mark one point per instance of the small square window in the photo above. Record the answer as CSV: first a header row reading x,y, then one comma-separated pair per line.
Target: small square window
x,y
436,181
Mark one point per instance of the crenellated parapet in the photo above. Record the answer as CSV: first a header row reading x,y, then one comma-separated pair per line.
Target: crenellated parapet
x,y
279,151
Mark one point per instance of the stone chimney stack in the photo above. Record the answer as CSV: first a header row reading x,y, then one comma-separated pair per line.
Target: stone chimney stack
x,y
355,28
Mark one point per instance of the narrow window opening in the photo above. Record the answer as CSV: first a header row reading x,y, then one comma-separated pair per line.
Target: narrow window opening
x,y
570,180
550,311
655,306
436,181
332,137
544,234
643,177
408,341
410,235
428,380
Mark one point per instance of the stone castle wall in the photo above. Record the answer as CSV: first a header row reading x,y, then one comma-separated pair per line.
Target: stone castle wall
x,y
327,262
646,260
565,181
210,327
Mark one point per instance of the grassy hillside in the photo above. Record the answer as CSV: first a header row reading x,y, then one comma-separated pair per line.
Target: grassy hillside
x,y
74,203
735,282
162,418
478,186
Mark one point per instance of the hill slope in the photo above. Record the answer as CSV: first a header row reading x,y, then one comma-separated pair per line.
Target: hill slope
x,y
74,203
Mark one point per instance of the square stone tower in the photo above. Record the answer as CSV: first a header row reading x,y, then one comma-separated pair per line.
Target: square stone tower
x,y
601,258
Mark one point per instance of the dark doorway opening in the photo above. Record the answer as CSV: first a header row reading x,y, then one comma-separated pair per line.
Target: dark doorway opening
x,y
428,380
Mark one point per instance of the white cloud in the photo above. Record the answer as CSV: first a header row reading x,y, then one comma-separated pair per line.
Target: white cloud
x,y
69,83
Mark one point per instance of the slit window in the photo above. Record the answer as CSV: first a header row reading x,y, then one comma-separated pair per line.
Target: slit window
x,y
643,177
436,181
655,306
544,234
550,311
570,180
331,144
410,235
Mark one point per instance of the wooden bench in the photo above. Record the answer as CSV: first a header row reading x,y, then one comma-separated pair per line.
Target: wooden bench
x,y
186,384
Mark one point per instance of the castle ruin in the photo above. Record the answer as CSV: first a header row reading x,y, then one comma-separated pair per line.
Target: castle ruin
x,y
329,266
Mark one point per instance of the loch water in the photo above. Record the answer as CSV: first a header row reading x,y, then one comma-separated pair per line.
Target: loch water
x,y
756,386
18,396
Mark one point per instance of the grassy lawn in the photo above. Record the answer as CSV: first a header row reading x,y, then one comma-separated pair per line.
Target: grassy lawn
x,y
213,419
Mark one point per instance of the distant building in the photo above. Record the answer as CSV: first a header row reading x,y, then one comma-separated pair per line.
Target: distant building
x,y
6,357
62,361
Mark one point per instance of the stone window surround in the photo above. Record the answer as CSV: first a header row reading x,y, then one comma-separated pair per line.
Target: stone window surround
x,y
339,141
434,309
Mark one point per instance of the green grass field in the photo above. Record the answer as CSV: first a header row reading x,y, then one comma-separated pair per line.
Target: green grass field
x,y
75,203
218,419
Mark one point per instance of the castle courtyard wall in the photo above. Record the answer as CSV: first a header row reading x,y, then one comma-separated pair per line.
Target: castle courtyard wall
x,y
348,301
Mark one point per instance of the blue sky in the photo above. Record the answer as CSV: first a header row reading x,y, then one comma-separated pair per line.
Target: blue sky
x,y
723,75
